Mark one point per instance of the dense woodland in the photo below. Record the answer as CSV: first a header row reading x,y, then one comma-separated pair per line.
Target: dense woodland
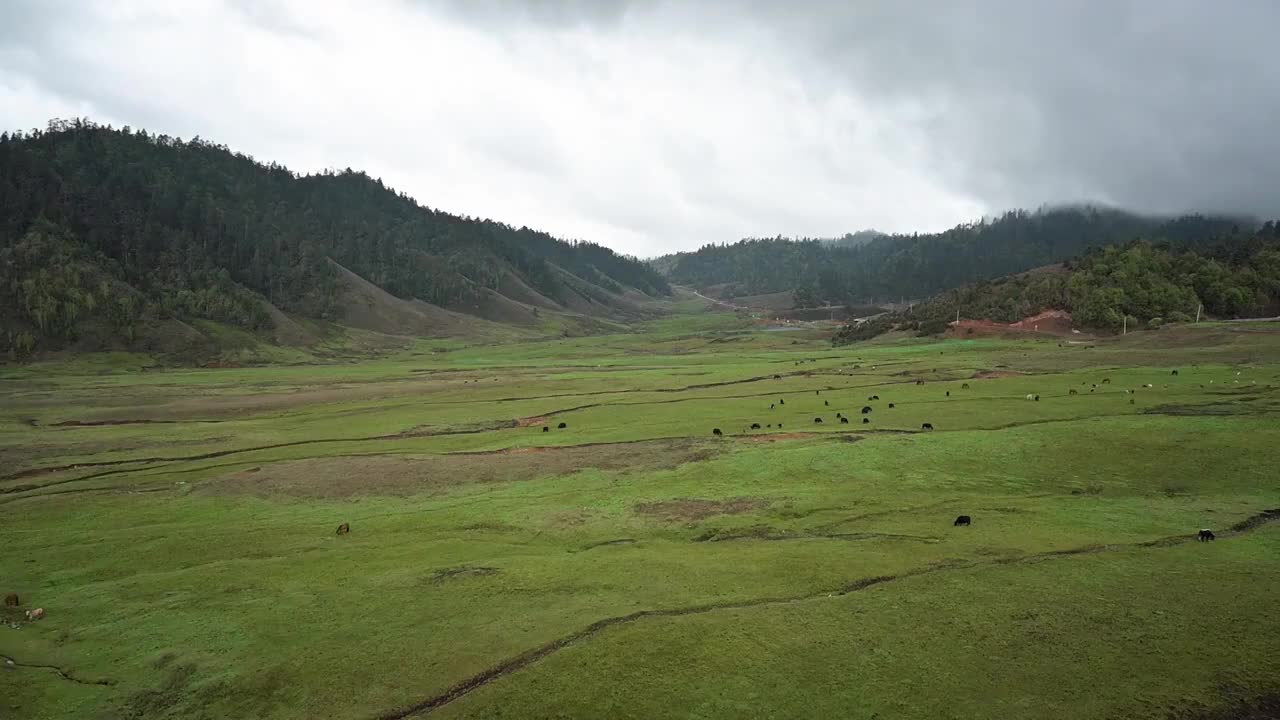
x,y
862,237
112,228
877,269
1142,283
120,225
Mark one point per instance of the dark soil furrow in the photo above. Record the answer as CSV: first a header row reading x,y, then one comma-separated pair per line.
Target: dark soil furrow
x,y
881,513
709,442
237,451
771,535
591,393
64,674
153,463
532,656
508,424
832,388
630,391
100,423
605,543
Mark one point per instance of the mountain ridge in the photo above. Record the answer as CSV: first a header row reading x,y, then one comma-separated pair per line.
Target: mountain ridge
x,y
920,264
120,229
1136,285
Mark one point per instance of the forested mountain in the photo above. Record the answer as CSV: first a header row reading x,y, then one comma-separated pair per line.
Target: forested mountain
x,y
1235,275
892,266
862,237
122,225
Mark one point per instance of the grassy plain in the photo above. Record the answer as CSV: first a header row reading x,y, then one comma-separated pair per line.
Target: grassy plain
x,y
178,528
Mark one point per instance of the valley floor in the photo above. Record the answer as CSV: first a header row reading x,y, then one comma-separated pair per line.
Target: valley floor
x,y
178,528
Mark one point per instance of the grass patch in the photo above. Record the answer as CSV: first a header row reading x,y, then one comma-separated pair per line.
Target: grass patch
x,y
178,528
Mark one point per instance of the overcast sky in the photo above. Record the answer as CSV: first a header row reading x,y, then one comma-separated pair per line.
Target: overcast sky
x,y
658,126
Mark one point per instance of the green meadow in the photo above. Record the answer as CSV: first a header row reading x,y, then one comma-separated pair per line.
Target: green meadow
x,y
178,527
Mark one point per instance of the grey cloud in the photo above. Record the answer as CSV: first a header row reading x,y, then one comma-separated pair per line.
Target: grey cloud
x,y
1149,104
554,13
276,20
1156,105
653,125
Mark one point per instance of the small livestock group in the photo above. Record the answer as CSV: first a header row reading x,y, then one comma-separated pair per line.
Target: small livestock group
x,y
927,426
12,600
817,420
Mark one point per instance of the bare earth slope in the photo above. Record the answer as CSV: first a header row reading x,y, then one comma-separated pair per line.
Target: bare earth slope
x,y
368,307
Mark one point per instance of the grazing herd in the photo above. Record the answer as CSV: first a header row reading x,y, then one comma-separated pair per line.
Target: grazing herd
x,y
818,420
867,409
13,602
844,420
1205,535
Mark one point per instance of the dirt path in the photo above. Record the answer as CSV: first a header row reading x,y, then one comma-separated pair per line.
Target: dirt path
x,y
714,301
532,656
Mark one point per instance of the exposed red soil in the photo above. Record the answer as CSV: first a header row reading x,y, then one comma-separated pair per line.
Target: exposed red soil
x,y
1050,322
